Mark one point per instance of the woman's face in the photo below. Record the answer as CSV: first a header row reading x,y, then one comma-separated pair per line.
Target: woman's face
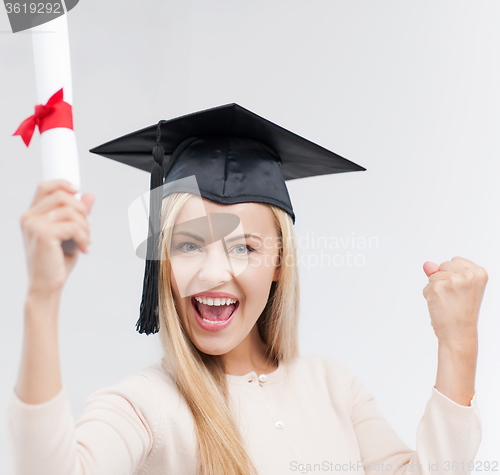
x,y
221,285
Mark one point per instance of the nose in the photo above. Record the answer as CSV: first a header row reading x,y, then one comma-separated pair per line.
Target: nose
x,y
216,268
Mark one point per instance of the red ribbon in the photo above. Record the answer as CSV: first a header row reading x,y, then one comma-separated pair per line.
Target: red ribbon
x,y
56,113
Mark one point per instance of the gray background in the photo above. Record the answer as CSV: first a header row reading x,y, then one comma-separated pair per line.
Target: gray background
x,y
409,90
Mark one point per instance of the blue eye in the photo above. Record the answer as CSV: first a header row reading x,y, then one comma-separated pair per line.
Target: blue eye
x,y
187,247
239,249
243,249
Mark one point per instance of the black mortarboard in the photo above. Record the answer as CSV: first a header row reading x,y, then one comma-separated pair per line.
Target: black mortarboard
x,y
236,157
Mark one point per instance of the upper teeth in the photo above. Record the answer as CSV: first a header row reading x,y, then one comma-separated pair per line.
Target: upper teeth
x,y
217,301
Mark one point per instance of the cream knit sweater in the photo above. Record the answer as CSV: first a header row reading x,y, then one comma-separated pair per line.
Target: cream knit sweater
x,y
321,419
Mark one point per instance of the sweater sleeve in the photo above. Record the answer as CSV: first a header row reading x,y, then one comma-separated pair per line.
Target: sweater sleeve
x,y
447,439
113,435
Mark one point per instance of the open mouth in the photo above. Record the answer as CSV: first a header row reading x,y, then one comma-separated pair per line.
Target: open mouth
x,y
214,311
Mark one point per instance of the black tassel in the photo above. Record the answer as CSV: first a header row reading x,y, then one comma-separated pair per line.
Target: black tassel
x,y
149,318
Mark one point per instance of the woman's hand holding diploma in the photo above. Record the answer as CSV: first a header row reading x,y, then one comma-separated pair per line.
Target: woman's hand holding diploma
x,y
54,216
454,295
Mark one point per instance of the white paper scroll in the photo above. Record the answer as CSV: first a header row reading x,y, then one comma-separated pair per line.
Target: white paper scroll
x,y
53,72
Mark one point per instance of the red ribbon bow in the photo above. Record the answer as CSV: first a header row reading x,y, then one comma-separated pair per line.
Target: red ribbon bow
x,y
56,113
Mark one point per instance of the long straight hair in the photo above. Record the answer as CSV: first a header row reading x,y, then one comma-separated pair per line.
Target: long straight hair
x,y
200,377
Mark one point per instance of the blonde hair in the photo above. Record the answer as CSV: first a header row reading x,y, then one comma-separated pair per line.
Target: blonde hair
x,y
200,377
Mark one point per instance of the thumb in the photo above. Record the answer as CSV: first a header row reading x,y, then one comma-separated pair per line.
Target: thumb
x,y
430,268
88,199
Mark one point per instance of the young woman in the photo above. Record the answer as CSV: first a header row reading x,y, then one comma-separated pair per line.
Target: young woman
x,y
232,394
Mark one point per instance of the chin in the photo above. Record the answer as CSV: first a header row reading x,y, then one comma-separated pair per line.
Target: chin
x,y
211,349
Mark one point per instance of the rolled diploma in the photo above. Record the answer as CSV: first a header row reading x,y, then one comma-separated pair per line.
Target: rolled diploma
x,y
53,72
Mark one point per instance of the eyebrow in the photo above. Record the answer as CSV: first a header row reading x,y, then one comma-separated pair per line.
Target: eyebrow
x,y
235,238
194,236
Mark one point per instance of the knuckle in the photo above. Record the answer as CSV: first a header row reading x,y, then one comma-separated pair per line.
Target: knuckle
x,y
29,226
25,226
39,233
462,281
439,286
469,274
42,186
467,278
434,278
426,290
71,212
483,275
23,219
61,196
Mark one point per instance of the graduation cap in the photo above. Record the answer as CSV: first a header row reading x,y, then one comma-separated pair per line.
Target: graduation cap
x,y
235,155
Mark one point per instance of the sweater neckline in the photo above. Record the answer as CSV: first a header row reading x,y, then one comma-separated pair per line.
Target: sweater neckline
x,y
253,377
246,379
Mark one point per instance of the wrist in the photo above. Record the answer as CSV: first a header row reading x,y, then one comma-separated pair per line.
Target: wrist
x,y
456,372
465,343
43,305
460,360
